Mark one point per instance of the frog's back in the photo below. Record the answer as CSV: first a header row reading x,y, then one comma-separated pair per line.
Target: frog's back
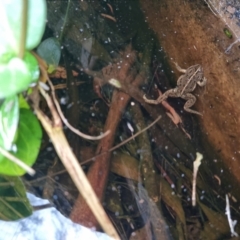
x,y
188,81
195,72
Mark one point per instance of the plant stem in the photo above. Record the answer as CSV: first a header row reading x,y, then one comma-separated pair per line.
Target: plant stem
x,y
17,161
23,29
65,21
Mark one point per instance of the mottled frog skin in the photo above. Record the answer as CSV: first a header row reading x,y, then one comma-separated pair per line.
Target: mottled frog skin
x,y
186,83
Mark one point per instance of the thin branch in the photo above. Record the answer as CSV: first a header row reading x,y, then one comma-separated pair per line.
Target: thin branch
x,y
109,17
112,149
56,119
17,161
24,16
70,162
65,21
76,131
135,135
124,142
232,223
45,177
196,165
214,11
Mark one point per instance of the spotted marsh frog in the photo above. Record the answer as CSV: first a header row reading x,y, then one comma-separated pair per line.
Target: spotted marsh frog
x,y
185,85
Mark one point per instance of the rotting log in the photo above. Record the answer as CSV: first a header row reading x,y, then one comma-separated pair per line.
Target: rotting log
x,y
189,34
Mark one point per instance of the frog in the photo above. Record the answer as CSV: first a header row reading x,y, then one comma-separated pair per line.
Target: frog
x,y
186,84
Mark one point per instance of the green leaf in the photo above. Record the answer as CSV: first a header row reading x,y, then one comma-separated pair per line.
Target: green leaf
x,y
51,68
50,51
14,204
9,116
124,165
17,74
15,69
27,144
11,24
22,102
6,57
227,32
32,65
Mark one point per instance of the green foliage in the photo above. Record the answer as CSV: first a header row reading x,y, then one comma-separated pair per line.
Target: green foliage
x,y
227,32
26,146
50,51
22,102
17,74
20,131
9,116
14,203
11,24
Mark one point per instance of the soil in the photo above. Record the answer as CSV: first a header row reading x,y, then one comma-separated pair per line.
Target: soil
x,y
191,34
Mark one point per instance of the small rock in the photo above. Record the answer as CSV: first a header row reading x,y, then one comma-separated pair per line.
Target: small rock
x,y
231,9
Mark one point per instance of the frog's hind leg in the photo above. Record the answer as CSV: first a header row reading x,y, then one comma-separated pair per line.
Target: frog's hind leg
x,y
191,99
150,101
160,98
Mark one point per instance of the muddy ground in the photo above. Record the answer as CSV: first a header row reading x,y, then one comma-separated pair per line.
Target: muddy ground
x,y
190,33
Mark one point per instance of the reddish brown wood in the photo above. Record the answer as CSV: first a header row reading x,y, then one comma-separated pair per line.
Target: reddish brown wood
x,y
98,173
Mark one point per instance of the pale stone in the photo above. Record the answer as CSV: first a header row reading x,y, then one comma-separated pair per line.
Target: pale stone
x,y
231,9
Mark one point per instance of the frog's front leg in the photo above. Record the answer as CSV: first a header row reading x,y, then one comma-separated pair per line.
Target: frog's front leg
x,y
191,99
179,68
202,82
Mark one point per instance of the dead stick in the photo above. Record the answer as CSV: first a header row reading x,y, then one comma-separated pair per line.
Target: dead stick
x,y
71,164
98,173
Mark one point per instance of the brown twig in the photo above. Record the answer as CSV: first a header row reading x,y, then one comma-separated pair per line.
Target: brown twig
x,y
94,158
109,17
98,172
76,131
71,164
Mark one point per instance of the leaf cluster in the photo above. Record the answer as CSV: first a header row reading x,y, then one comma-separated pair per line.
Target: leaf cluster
x,y
21,28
